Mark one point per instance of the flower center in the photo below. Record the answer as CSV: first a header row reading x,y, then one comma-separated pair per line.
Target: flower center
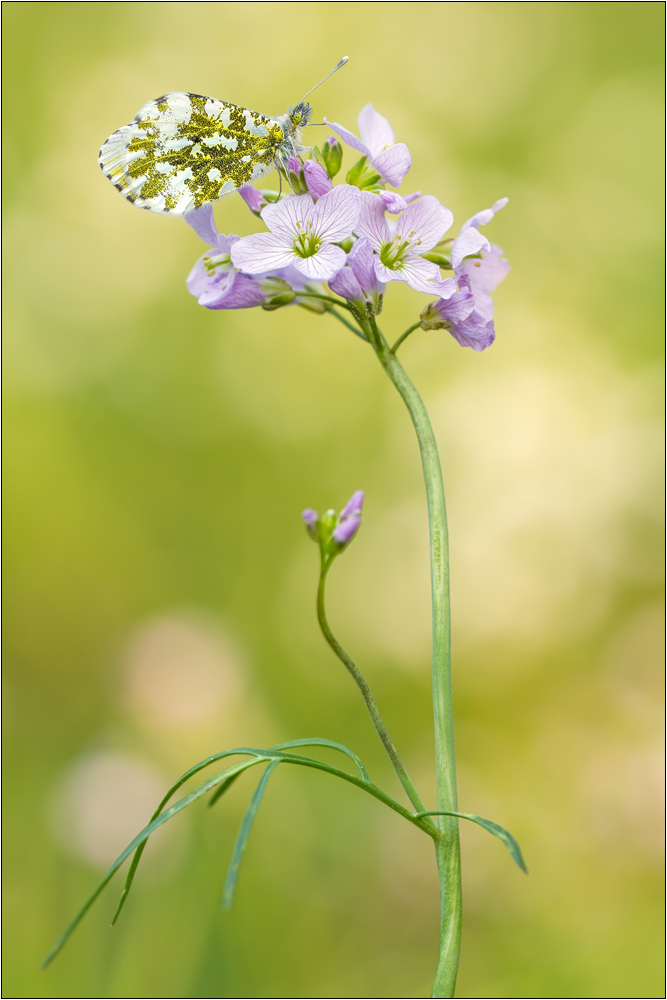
x,y
393,254
221,260
306,243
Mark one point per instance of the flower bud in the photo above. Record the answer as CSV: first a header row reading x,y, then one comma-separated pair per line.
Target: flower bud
x,y
253,198
278,292
346,530
334,533
329,520
295,176
311,521
353,505
332,154
393,202
316,179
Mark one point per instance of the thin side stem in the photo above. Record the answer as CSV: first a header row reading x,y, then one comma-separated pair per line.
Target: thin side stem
x,y
447,844
350,326
324,298
403,336
362,684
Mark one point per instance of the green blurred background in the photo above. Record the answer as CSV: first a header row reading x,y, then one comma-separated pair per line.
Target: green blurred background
x,y
160,586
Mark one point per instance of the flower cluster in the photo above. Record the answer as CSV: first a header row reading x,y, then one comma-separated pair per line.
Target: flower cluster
x,y
357,237
333,533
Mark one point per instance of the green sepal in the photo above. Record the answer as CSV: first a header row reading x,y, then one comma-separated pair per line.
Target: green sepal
x,y
439,259
355,172
370,181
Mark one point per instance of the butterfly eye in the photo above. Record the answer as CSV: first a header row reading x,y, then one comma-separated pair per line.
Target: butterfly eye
x,y
296,117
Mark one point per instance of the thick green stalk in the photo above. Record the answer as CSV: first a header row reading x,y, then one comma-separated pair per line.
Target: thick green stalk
x,y
447,844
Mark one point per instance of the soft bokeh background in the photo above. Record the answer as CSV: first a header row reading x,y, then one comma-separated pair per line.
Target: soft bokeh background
x,y
159,584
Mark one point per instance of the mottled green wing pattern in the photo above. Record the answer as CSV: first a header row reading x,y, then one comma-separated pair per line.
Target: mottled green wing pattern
x,y
183,150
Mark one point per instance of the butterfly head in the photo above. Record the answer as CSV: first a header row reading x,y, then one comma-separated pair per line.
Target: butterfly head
x,y
298,117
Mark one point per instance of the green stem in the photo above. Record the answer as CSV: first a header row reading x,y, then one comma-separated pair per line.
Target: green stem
x,y
324,298
447,844
332,312
362,684
403,336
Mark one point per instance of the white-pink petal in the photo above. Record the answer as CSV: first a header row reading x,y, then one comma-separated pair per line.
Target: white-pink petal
x,y
468,242
488,272
261,252
375,130
428,219
393,163
484,217
392,201
349,137
323,265
202,221
424,276
283,216
336,213
372,222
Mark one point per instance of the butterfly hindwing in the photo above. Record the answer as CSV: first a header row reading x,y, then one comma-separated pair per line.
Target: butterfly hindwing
x,y
184,149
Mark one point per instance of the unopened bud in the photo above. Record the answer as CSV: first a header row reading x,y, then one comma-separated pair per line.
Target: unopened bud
x,y
353,505
332,154
439,259
310,519
346,531
329,520
277,301
253,198
278,293
316,178
295,176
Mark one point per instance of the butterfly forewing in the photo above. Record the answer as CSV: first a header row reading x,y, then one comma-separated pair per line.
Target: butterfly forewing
x,y
184,149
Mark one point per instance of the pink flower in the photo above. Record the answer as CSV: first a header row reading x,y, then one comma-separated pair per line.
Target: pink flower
x,y
391,159
398,255
459,316
470,240
303,234
215,282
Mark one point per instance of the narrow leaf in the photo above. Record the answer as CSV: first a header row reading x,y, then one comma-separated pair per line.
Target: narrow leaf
x,y
317,742
366,786
140,839
244,833
134,864
221,789
498,831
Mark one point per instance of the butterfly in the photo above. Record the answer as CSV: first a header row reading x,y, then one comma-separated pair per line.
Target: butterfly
x,y
183,150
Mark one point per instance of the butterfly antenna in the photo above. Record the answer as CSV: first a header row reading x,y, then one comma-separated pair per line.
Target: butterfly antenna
x,y
338,66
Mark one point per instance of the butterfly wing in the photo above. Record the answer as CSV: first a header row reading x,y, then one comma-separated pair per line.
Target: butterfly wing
x,y
183,150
